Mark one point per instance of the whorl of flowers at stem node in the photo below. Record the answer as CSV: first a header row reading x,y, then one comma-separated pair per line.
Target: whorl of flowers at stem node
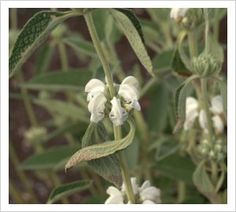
x,y
205,65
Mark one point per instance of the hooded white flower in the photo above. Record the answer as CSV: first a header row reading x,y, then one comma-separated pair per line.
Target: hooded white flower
x,y
178,13
93,88
146,194
191,112
96,107
129,91
217,105
218,124
118,114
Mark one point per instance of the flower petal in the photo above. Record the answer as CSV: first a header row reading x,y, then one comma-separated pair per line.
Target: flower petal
x,y
217,105
118,114
148,202
131,81
113,191
94,84
218,124
150,193
203,120
114,200
145,185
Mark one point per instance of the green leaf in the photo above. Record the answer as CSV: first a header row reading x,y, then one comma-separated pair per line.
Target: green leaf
x,y
107,167
216,49
202,180
163,61
71,80
157,111
180,62
131,27
176,167
223,92
68,189
165,147
80,45
181,94
33,34
101,150
48,159
44,58
66,109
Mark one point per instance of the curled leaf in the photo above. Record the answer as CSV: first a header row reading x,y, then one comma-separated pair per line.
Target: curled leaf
x,y
101,150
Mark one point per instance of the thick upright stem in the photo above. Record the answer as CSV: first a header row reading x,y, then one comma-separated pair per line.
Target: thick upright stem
x,y
100,52
117,130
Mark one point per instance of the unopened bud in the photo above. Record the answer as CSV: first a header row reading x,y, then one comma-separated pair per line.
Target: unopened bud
x,y
205,65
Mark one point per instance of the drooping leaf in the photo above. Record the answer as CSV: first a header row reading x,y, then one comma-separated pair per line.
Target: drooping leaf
x,y
131,27
33,34
101,150
176,167
48,159
70,80
66,109
68,189
202,180
181,94
107,167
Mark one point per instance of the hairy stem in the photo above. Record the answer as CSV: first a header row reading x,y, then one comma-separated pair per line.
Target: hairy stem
x,y
107,71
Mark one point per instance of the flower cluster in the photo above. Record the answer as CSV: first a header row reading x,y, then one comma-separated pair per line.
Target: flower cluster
x,y
193,111
213,151
178,13
126,100
146,194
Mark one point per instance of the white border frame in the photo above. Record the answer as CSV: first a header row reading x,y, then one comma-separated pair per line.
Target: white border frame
x,y
5,5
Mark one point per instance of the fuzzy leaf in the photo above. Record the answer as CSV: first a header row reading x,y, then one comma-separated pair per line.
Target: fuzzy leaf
x,y
81,45
73,80
68,189
66,109
33,34
131,27
202,180
48,159
101,150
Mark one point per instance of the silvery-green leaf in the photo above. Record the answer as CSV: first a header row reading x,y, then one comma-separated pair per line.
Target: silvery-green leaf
x,y
101,150
202,180
131,27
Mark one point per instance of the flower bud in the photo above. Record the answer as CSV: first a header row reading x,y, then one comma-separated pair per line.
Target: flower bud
x,y
205,65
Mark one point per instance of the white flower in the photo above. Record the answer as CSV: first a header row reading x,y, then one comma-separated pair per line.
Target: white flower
x,y
129,90
146,194
149,194
218,124
93,88
116,196
118,114
217,105
191,112
96,107
178,13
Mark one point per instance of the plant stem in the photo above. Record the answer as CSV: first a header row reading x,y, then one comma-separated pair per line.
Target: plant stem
x,y
192,44
27,183
117,129
100,52
62,53
181,187
207,26
206,107
124,167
